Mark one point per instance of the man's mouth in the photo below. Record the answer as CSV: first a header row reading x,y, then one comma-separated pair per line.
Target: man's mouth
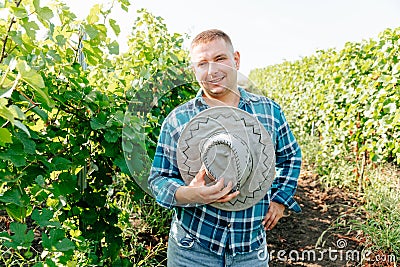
x,y
216,80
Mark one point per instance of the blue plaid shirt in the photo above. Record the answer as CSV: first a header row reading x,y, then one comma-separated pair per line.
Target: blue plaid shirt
x,y
219,230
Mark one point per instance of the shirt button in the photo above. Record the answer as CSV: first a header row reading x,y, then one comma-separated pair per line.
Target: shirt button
x,y
229,225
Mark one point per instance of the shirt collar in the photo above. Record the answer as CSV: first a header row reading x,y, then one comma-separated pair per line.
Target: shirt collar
x,y
247,97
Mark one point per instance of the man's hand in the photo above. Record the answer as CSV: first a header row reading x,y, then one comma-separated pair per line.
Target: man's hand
x,y
198,192
275,212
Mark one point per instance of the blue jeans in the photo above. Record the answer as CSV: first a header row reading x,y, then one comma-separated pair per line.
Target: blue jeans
x,y
185,251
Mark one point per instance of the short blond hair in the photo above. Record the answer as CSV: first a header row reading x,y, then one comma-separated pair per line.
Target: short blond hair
x,y
211,35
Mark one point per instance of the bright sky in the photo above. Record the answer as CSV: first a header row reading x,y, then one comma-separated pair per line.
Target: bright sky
x,y
267,32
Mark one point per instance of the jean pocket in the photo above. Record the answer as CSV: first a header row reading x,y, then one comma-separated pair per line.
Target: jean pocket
x,y
186,242
180,236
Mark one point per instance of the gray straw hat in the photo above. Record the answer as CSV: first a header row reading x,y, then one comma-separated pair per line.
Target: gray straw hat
x,y
230,143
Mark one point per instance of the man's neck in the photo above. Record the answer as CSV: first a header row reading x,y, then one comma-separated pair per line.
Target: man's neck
x,y
231,99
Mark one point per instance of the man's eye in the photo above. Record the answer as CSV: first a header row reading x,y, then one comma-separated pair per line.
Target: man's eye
x,y
201,64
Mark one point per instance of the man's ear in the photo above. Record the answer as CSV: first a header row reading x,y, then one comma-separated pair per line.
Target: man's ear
x,y
236,57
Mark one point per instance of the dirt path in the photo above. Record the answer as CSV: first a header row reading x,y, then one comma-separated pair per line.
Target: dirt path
x,y
306,239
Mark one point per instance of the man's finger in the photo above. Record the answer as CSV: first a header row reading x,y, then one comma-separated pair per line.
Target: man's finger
x,y
199,178
220,187
273,224
269,222
224,190
275,213
228,197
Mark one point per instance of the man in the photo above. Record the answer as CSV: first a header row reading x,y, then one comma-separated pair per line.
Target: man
x,y
202,235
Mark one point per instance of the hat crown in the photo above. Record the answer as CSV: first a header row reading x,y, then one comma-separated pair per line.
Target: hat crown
x,y
226,156
229,143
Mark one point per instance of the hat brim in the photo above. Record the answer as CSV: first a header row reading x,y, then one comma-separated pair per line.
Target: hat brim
x,y
237,122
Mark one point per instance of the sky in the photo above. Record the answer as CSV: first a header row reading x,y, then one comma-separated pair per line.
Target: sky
x,y
267,32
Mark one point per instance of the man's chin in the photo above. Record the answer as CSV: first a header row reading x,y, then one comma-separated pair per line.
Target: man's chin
x,y
214,87
217,90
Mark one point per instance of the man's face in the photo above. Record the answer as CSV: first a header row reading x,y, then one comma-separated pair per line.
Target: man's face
x,y
215,66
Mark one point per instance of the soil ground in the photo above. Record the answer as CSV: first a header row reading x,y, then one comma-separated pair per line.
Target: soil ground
x,y
307,238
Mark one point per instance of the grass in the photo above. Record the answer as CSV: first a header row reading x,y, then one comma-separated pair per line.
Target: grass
x,y
377,220
382,206
146,231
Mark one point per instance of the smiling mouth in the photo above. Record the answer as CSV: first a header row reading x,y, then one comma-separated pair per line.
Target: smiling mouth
x,y
216,80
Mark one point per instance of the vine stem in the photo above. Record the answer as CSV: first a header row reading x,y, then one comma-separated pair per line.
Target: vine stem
x,y
3,50
363,162
24,95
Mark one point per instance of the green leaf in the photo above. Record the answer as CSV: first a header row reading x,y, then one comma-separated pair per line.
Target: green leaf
x,y
30,27
92,32
36,4
29,75
19,12
61,40
41,113
56,241
115,27
16,212
66,185
121,163
29,144
34,79
5,136
93,16
15,196
6,92
97,124
65,245
390,108
22,127
16,155
43,218
124,4
17,38
60,163
47,242
6,113
45,13
90,216
17,112
50,263
174,57
113,48
40,180
21,238
111,136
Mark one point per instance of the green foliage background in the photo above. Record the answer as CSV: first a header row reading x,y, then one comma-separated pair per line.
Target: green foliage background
x,y
72,109
344,108
350,98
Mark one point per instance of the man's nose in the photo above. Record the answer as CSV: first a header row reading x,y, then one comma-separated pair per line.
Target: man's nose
x,y
212,67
